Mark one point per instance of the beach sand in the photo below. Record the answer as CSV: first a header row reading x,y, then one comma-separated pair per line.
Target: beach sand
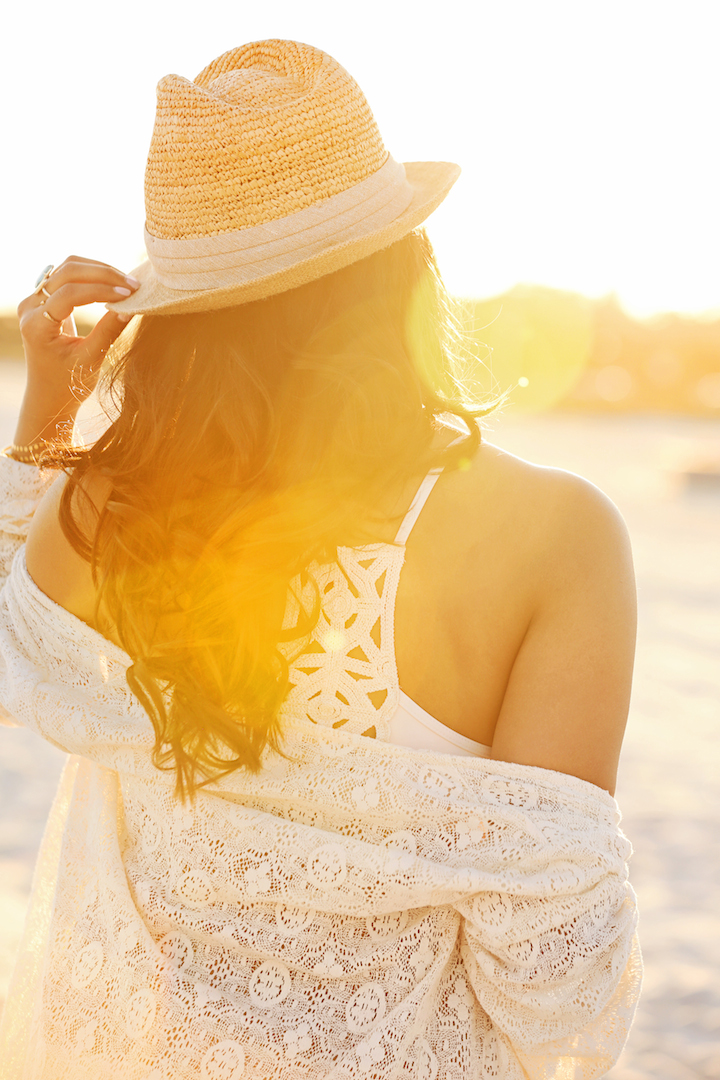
x,y
668,787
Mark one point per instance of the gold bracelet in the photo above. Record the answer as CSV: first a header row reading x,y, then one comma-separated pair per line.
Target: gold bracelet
x,y
26,455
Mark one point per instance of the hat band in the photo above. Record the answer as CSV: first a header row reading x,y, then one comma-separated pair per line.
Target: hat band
x,y
243,256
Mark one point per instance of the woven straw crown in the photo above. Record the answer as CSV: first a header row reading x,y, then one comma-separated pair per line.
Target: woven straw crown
x,y
266,172
288,128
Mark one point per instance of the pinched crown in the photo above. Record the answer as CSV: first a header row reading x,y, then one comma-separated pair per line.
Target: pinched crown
x,y
265,130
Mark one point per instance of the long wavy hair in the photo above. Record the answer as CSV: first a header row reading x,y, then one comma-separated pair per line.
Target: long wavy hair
x,y
246,443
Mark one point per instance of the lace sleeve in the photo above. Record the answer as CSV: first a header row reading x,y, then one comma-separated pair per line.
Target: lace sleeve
x,y
558,973
21,489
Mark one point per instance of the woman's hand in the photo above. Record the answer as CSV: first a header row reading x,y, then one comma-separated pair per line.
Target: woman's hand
x,y
62,368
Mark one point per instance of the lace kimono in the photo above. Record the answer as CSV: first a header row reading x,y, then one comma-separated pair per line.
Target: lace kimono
x,y
357,910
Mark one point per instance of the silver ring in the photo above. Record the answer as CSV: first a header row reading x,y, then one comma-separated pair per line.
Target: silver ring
x,y
45,293
58,322
43,276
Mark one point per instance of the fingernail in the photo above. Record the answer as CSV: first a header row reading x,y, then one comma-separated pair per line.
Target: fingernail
x,y
133,281
123,316
123,292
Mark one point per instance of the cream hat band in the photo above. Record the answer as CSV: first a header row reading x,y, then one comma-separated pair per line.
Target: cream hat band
x,y
255,252
267,172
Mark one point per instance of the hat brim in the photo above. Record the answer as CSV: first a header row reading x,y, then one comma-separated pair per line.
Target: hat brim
x,y
430,181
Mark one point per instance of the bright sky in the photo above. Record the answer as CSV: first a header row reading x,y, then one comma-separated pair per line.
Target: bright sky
x,y
587,130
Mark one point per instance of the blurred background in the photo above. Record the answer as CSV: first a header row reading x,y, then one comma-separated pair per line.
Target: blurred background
x,y
582,245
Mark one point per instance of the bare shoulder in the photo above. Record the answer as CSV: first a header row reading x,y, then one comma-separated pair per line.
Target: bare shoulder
x,y
564,494
566,552
546,514
52,561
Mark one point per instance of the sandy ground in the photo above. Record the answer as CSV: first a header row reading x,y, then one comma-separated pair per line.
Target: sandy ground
x,y
668,788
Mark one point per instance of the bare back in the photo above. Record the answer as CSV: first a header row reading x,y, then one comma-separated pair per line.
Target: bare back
x,y
515,614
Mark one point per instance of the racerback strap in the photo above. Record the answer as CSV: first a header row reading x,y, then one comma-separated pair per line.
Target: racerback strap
x,y
420,498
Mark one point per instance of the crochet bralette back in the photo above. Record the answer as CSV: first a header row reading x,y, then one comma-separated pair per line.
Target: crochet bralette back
x,y
345,675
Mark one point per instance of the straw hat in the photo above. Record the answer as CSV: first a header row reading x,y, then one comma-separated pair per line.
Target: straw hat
x,y
266,172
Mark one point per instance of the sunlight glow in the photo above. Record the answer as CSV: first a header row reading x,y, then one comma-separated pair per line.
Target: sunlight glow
x,y
586,132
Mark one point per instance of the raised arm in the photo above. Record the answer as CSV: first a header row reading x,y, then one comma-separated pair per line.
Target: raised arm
x,y
62,370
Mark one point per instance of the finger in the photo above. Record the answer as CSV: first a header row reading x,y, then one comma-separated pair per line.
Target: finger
x,y
35,325
89,262
76,270
84,259
102,335
29,304
63,300
90,353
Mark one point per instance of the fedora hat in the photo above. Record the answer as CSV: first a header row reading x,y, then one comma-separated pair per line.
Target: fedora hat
x,y
267,172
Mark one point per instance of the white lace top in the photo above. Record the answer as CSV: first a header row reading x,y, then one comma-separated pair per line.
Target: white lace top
x,y
347,673
356,910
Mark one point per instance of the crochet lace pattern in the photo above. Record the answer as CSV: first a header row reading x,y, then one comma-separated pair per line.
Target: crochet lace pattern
x,y
346,675
356,910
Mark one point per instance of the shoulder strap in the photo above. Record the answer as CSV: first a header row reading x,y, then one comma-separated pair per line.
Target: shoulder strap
x,y
419,500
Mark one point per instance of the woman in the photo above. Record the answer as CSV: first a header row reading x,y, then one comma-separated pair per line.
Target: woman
x,y
265,858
